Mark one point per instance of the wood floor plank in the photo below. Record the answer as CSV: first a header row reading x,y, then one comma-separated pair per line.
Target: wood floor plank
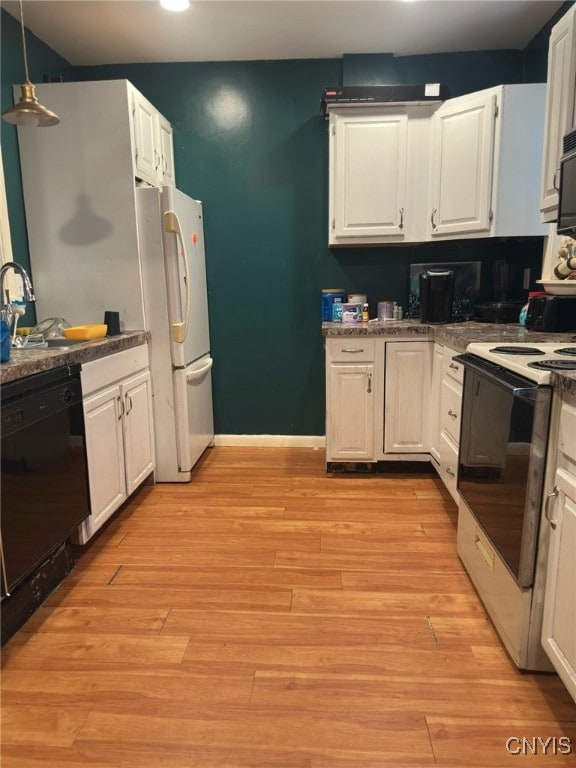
x,y
245,578
270,615
135,756
392,693
112,598
357,603
92,618
403,737
407,581
27,724
374,510
358,560
151,690
148,512
57,651
412,542
373,659
379,529
306,630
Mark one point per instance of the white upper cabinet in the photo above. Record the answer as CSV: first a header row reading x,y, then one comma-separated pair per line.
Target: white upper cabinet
x,y
378,171
560,108
462,154
152,143
486,159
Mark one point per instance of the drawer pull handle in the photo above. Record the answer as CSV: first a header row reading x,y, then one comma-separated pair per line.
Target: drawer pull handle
x,y
353,350
450,471
485,551
454,366
551,495
452,414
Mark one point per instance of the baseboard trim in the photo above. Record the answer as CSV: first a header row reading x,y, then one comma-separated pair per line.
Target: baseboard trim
x,y
272,441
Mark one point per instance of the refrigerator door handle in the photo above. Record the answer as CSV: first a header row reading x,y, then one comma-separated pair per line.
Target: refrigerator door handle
x,y
195,375
172,225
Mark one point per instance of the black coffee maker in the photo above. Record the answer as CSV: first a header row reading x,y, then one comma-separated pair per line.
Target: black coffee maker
x,y
436,295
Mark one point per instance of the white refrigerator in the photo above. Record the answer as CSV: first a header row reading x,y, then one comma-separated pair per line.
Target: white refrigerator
x,y
175,299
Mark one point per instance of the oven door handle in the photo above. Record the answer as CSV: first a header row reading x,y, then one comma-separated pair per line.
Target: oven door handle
x,y
552,495
519,386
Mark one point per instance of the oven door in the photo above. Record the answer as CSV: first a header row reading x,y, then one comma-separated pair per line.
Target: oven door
x,y
503,442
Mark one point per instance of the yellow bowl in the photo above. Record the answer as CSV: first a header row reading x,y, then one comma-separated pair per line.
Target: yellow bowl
x,y
85,332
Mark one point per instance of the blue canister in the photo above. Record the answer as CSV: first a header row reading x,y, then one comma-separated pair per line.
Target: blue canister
x,y
4,342
328,296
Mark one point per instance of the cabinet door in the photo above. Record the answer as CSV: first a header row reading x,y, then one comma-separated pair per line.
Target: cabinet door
x,y
350,417
146,154
559,624
138,431
437,365
166,149
560,108
462,166
105,453
368,174
407,401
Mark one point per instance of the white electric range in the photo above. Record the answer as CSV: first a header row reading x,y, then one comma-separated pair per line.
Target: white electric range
x,y
502,542
534,361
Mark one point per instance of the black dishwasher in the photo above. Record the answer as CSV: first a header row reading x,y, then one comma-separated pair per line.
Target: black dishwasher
x,y
44,479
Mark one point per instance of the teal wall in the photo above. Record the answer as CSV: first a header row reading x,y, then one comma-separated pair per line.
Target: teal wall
x,y
250,141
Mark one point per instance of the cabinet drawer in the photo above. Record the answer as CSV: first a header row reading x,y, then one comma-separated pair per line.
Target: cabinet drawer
x,y
106,370
452,368
450,409
448,464
352,349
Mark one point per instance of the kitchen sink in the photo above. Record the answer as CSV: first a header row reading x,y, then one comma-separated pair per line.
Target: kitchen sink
x,y
63,343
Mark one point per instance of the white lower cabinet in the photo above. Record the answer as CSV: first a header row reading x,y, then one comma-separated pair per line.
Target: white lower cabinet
x,y
119,432
377,399
559,624
437,366
350,399
408,379
448,407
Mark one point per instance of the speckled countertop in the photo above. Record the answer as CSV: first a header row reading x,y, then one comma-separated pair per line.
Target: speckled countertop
x,y
26,362
458,336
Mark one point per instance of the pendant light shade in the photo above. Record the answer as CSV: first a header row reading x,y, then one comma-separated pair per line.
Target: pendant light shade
x,y
29,112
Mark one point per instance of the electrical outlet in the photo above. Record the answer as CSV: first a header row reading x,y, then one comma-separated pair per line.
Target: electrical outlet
x,y
526,280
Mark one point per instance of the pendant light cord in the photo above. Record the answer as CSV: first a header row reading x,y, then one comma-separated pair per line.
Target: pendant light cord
x,y
24,44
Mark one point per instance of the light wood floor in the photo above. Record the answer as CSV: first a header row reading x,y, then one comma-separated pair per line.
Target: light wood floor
x,y
268,615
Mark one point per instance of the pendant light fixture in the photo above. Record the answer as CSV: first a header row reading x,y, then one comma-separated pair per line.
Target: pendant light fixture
x,y
29,112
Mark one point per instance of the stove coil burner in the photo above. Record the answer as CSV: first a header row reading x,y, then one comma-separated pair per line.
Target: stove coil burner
x,y
517,351
566,351
554,365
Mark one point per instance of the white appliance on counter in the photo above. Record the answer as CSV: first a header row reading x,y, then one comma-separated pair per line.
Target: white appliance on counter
x,y
175,302
502,540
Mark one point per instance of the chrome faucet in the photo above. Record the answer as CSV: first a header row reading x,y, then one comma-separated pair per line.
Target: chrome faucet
x,y
27,283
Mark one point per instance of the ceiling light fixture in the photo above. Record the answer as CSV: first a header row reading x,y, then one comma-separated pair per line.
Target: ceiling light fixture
x,y
29,112
175,5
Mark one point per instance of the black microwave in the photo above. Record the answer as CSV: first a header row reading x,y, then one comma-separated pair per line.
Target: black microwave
x,y
567,201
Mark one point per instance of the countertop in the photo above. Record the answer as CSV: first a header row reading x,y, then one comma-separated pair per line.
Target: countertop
x,y
458,336
26,362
